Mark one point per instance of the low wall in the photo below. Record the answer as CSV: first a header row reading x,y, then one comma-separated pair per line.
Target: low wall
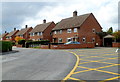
x,y
44,47
68,46
115,44
19,46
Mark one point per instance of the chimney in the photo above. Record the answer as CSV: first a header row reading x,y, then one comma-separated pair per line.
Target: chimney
x,y
26,26
5,31
14,29
44,21
74,13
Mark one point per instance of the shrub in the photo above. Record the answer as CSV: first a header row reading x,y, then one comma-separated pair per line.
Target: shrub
x,y
5,46
22,42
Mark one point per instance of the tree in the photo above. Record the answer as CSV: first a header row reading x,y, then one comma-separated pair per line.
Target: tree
x,y
110,30
117,35
17,38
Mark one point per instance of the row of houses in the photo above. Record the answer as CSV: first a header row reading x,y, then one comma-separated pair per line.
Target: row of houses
x,y
80,28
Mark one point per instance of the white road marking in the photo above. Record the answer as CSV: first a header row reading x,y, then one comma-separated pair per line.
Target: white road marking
x,y
116,50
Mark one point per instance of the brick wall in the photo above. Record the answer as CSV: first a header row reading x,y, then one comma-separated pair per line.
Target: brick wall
x,y
115,44
69,46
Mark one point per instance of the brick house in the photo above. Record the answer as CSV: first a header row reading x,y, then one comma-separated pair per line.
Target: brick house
x,y
24,33
42,31
81,28
11,35
3,36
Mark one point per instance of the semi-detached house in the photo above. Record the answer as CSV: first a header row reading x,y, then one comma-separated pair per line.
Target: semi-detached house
x,y
81,28
24,33
42,31
3,36
11,35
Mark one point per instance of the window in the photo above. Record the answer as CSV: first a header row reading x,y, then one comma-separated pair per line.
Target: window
x,y
21,35
69,39
60,31
93,39
30,34
39,39
39,33
33,34
69,30
75,29
93,30
84,39
59,40
55,32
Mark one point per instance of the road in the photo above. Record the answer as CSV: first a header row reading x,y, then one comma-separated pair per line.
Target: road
x,y
36,64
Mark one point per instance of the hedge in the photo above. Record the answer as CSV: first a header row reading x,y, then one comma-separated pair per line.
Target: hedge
x,y
22,42
36,42
5,46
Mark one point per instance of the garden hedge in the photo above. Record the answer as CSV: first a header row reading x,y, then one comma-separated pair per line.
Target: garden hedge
x,y
5,46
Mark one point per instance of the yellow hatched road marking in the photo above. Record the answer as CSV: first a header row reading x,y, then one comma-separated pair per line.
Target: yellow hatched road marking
x,y
107,66
76,79
73,78
82,71
107,72
110,79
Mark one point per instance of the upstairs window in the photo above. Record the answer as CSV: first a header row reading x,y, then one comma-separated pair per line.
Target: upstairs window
x,y
69,30
33,34
93,30
60,31
75,29
55,32
39,33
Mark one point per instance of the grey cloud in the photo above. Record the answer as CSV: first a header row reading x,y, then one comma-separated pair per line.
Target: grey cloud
x,y
15,13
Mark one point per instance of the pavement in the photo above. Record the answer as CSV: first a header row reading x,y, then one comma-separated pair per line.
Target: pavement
x,y
36,64
95,65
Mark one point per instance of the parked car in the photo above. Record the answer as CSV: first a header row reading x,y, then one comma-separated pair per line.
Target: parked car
x,y
72,42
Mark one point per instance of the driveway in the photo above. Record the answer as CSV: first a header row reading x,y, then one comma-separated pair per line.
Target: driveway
x,y
36,64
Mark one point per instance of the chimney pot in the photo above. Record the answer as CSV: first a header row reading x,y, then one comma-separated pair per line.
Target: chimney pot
x,y
74,13
44,21
26,26
14,29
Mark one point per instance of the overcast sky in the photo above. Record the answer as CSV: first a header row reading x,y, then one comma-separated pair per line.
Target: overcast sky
x,y
19,14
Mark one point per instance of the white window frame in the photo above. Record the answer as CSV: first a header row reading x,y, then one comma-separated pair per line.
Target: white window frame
x,y
59,40
33,34
84,39
55,32
69,39
93,30
75,29
69,30
60,31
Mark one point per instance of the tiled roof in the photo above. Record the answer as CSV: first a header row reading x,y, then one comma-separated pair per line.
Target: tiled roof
x,y
23,31
3,35
12,33
71,22
40,27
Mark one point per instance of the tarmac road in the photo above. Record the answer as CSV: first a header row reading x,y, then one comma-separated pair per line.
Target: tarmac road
x,y
36,64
